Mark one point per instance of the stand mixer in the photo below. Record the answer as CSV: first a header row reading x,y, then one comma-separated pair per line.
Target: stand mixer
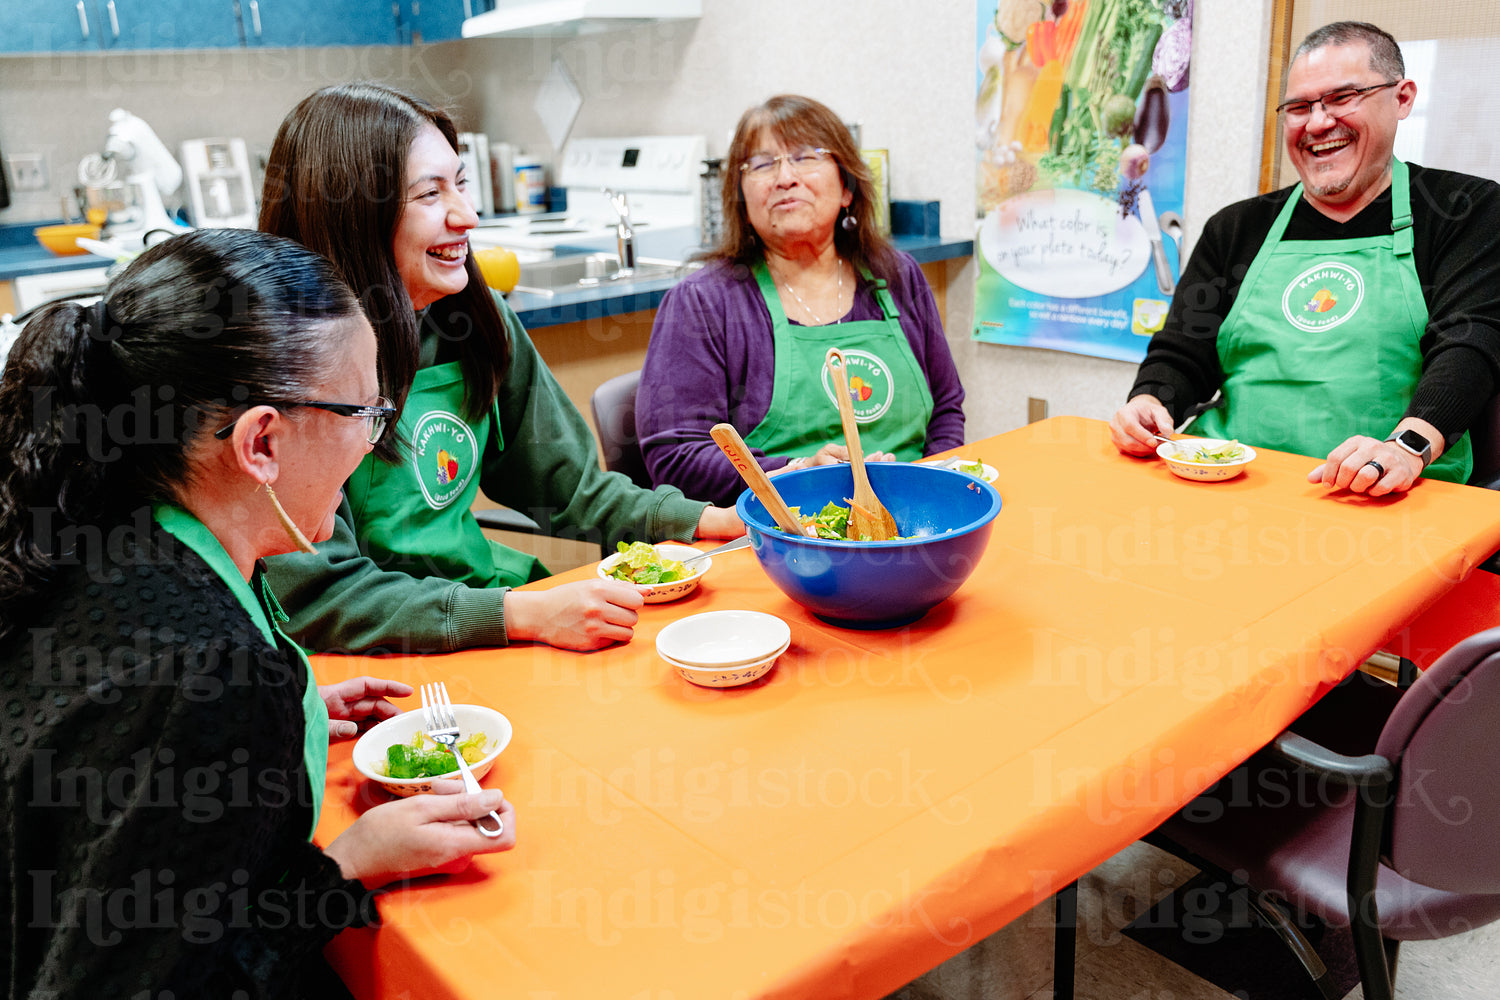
x,y
133,205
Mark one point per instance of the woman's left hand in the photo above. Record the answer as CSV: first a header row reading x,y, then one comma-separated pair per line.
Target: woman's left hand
x,y
358,700
719,522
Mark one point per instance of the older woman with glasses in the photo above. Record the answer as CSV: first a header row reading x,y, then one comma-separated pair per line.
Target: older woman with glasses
x,y
800,268
164,745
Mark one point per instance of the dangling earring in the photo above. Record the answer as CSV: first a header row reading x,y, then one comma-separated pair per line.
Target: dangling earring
x,y
295,533
849,223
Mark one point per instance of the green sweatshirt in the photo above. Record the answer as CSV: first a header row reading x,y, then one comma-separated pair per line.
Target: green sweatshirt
x,y
540,459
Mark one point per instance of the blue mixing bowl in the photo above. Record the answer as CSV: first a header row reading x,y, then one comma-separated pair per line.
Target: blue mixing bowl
x,y
949,516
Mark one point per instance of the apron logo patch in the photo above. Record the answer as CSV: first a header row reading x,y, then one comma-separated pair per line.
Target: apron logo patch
x,y
445,455
871,387
1323,296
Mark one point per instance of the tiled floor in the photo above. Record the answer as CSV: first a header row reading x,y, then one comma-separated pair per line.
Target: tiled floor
x,y
1015,963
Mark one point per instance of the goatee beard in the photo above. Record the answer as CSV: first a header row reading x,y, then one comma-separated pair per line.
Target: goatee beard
x,y
1326,190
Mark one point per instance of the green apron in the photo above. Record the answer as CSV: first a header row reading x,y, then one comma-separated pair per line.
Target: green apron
x,y
414,517
892,401
263,611
1323,341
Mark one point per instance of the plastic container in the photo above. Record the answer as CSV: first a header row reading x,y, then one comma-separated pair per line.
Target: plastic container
x,y
531,185
711,207
63,239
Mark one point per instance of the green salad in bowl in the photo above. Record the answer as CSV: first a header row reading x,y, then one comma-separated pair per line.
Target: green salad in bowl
x,y
659,569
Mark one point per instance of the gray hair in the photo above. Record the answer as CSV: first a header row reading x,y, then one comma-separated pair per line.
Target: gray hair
x,y
1385,54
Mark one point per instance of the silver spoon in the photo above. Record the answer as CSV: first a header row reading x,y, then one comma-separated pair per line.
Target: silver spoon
x,y
739,543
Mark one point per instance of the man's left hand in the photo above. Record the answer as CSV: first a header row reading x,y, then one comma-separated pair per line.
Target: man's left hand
x,y
1367,465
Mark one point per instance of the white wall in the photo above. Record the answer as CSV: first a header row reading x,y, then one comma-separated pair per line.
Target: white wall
x,y
904,70
58,105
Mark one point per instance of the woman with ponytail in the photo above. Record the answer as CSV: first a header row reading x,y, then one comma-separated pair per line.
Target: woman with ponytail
x,y
163,744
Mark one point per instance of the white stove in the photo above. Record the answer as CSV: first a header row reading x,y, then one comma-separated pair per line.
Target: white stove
x,y
660,174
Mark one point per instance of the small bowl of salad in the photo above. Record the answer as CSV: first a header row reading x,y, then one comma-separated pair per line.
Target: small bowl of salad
x,y
1206,460
968,466
659,568
398,755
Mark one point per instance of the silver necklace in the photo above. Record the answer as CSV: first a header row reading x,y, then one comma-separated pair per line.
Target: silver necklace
x,y
838,303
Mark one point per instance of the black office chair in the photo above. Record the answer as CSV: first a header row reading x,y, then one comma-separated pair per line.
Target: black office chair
x,y
613,404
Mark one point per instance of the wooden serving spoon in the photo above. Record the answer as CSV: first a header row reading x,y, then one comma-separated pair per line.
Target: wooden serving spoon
x,y
868,517
729,441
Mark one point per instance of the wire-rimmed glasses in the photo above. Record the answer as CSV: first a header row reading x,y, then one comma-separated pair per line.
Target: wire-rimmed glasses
x,y
1335,103
763,167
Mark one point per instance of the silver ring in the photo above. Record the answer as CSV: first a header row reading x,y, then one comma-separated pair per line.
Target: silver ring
x,y
1379,469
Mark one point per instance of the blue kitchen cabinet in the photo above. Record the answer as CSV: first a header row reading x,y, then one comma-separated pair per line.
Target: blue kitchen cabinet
x,y
50,26
441,20
116,25
296,23
134,25
42,26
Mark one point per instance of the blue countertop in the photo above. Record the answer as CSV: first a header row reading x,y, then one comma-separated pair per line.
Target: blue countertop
x,y
20,254
601,300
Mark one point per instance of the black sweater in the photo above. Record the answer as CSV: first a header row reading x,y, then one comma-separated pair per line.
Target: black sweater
x,y
156,808
1456,223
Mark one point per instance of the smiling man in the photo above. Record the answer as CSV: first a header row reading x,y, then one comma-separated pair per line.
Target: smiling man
x,y
1353,317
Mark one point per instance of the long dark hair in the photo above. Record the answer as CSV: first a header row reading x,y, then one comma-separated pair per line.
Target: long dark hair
x,y
335,182
802,121
101,405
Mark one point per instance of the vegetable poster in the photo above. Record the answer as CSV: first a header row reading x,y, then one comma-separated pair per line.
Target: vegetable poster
x,y
1081,116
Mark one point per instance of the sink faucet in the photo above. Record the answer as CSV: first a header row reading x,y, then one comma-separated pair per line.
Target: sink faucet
x,y
624,233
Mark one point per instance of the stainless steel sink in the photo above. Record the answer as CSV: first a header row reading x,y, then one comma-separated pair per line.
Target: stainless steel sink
x,y
548,277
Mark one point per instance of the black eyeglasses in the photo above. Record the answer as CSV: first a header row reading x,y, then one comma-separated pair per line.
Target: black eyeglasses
x,y
1336,103
378,415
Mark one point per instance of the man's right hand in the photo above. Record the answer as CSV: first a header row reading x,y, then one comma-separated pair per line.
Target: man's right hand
x,y
1134,424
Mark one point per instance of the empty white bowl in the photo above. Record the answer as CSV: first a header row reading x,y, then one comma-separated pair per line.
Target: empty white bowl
x,y
719,677
370,751
1174,454
719,640
657,593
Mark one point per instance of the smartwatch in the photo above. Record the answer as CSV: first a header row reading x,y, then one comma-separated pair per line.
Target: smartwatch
x,y
1414,442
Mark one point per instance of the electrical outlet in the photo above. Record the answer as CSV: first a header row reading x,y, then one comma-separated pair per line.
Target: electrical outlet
x,y
28,171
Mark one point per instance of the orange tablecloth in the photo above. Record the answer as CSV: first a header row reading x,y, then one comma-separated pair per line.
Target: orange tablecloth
x,y
882,800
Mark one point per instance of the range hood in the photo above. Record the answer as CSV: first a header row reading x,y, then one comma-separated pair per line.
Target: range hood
x,y
574,17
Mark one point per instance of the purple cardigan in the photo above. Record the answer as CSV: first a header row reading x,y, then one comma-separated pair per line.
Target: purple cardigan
x,y
711,360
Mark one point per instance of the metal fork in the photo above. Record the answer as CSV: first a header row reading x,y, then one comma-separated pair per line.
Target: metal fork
x,y
442,727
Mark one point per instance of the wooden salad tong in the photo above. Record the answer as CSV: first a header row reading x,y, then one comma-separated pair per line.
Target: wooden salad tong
x,y
868,517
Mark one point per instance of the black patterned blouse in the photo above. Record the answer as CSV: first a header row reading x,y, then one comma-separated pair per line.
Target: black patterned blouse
x,y
156,809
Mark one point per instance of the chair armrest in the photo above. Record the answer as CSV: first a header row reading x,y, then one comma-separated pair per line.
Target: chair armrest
x,y
1370,769
506,519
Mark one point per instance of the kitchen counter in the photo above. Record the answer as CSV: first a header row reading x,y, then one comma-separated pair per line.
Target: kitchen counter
x,y
602,300
20,254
